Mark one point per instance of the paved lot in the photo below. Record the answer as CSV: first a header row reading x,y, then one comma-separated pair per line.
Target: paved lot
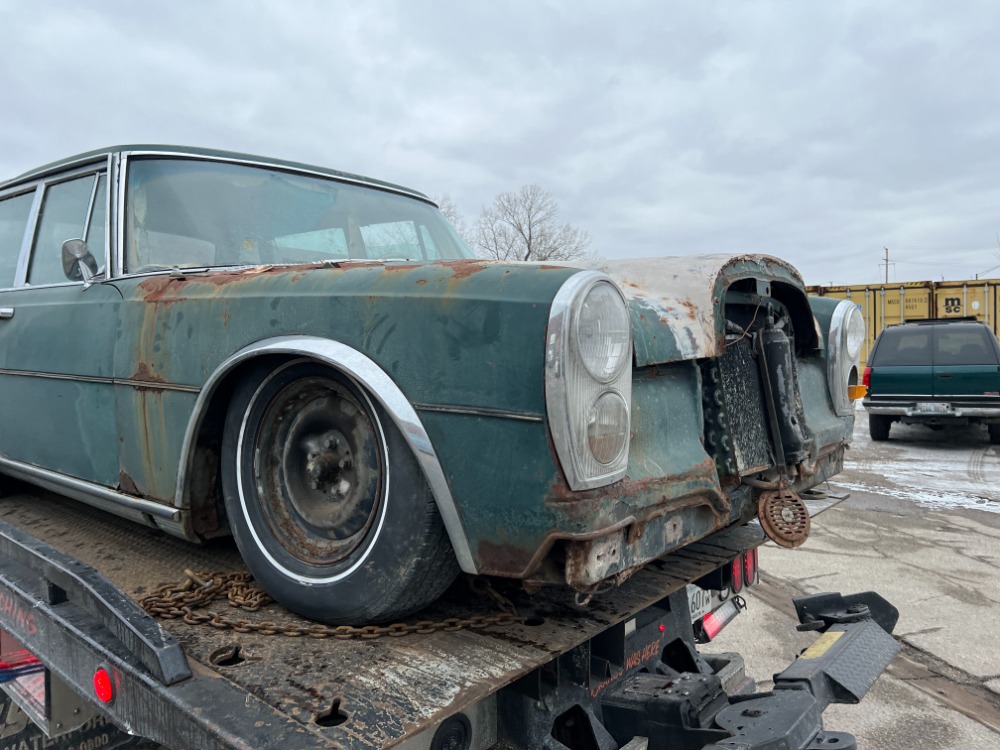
x,y
922,527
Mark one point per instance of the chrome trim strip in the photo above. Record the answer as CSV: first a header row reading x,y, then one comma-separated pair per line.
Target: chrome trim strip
x,y
151,386
378,383
147,384
6,313
97,495
477,411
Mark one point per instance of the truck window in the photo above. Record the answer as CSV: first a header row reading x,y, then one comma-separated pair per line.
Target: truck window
x,y
13,220
901,347
963,346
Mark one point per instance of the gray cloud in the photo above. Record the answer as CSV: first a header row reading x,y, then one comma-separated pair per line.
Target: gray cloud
x,y
817,132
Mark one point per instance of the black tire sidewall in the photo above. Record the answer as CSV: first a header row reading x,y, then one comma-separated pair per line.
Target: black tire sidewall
x,y
359,592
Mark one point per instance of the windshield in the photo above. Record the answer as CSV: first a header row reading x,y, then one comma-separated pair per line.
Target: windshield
x,y
185,213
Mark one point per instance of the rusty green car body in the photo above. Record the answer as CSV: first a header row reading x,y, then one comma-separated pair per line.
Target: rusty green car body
x,y
177,362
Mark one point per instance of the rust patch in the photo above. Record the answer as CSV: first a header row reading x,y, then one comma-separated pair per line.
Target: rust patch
x,y
225,318
462,269
146,374
126,485
421,282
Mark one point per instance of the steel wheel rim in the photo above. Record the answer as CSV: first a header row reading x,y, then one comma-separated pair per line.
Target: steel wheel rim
x,y
318,467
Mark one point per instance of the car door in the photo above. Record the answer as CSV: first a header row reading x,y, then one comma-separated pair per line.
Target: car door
x,y
57,339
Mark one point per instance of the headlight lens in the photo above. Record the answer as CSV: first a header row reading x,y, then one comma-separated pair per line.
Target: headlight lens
x,y
854,336
607,427
588,380
603,332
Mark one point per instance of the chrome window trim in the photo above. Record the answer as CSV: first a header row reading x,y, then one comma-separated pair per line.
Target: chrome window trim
x,y
21,275
378,384
39,187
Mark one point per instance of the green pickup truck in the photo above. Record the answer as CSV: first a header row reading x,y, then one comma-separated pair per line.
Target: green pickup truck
x,y
936,373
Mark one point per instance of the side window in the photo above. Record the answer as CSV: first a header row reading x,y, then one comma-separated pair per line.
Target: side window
x,y
963,346
63,217
13,220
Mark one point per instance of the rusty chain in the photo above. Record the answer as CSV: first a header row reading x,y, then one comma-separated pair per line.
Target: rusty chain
x,y
182,602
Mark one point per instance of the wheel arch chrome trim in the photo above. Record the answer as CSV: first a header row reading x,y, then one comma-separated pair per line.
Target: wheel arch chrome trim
x,y
378,384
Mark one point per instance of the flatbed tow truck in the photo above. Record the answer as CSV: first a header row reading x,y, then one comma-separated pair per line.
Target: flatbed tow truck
x,y
85,667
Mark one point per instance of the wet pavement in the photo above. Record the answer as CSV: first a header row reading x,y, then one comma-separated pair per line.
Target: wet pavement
x,y
922,528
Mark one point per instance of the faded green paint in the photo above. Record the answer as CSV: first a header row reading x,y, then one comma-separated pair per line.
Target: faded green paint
x,y
488,322
457,334
60,331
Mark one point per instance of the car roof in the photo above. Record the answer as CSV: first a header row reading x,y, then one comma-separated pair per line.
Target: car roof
x,y
937,321
102,153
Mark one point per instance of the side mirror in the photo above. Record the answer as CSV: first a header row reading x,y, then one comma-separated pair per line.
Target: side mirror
x,y
78,262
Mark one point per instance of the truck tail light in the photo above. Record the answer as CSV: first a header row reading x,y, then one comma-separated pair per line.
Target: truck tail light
x,y
750,566
866,379
737,571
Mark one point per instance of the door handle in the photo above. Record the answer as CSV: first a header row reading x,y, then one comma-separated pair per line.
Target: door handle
x,y
944,375
6,313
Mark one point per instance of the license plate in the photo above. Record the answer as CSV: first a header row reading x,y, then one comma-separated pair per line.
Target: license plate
x,y
931,407
699,600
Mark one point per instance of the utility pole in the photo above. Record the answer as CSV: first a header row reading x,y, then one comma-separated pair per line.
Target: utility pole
x,y
886,265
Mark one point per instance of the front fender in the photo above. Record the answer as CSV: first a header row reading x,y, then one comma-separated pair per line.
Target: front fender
x,y
367,374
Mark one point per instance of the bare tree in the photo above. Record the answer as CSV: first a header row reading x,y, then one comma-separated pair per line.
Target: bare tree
x,y
450,211
524,225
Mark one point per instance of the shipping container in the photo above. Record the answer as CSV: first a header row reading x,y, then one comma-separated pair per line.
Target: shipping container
x,y
899,302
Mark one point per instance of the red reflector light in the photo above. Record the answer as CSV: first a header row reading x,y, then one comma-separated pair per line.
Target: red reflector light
x,y
662,627
737,570
866,379
102,686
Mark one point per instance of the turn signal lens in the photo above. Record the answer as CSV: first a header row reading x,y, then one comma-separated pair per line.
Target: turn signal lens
x,y
854,392
103,688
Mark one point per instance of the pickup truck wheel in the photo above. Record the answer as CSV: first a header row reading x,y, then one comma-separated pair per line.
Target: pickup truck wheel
x,y
994,433
878,426
327,503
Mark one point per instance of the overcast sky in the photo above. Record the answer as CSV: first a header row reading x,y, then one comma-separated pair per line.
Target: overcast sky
x,y
818,132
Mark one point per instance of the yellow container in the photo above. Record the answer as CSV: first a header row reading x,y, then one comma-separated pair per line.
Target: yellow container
x,y
889,304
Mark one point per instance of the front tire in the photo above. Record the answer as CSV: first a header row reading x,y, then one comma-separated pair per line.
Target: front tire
x,y
878,427
327,502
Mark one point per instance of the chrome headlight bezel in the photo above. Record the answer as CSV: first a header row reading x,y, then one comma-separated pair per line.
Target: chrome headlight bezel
x,y
579,394
847,329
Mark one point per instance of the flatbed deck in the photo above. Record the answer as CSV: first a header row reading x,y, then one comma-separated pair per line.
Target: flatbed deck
x,y
322,692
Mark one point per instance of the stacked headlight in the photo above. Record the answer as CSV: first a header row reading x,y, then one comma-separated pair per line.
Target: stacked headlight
x,y
847,334
588,379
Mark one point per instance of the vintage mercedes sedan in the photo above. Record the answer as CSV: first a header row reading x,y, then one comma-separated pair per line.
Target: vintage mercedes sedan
x,y
314,362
